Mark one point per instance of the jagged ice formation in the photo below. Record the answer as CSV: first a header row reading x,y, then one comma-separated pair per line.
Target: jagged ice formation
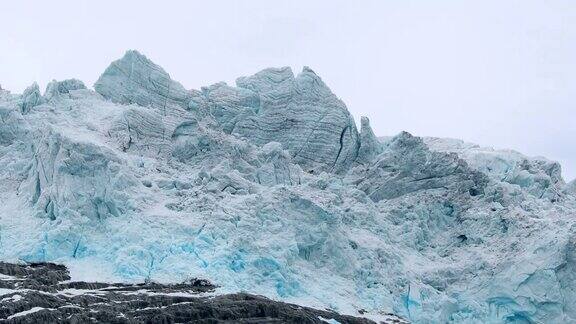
x,y
268,187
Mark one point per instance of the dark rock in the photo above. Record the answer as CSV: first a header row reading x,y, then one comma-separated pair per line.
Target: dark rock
x,y
42,294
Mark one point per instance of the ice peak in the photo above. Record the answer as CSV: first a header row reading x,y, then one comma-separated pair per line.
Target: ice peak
x,y
307,69
136,79
369,144
134,54
31,98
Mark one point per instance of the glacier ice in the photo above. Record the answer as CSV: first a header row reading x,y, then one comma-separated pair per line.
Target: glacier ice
x,y
100,186
30,98
370,146
229,105
55,88
268,187
571,187
304,116
407,165
135,79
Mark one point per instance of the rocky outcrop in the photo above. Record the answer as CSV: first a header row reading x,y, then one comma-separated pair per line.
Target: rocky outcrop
x,y
42,293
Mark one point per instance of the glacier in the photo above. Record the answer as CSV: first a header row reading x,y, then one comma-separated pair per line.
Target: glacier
x,y
268,187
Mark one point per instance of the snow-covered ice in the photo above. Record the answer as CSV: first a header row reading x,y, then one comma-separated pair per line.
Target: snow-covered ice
x,y
268,187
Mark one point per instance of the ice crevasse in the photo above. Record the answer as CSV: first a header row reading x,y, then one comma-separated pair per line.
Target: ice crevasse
x,y
269,187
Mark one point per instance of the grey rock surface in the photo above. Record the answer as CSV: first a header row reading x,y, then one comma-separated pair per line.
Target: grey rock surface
x,y
43,293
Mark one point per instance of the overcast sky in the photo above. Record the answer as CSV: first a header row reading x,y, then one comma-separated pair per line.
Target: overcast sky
x,y
494,72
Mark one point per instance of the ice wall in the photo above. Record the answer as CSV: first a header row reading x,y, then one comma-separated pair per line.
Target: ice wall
x,y
268,187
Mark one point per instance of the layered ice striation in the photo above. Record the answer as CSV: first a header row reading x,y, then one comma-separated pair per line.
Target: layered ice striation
x,y
407,165
268,187
303,115
71,178
135,79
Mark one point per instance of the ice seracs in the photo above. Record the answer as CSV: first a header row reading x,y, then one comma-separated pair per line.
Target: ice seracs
x,y
571,187
70,178
136,79
55,88
229,105
408,165
370,146
538,176
30,98
304,116
268,187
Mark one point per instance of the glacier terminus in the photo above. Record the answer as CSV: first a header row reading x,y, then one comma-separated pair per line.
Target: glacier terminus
x,y
269,187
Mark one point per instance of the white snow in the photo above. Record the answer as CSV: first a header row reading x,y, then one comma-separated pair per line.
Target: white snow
x,y
6,291
13,298
330,320
8,278
77,292
26,312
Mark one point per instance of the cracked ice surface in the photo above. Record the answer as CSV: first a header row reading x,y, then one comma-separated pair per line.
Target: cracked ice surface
x,y
268,187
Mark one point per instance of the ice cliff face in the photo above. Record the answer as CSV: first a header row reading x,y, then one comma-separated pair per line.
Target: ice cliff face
x,y
268,187
135,79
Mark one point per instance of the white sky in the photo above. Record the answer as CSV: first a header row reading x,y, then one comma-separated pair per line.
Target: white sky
x,y
500,73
